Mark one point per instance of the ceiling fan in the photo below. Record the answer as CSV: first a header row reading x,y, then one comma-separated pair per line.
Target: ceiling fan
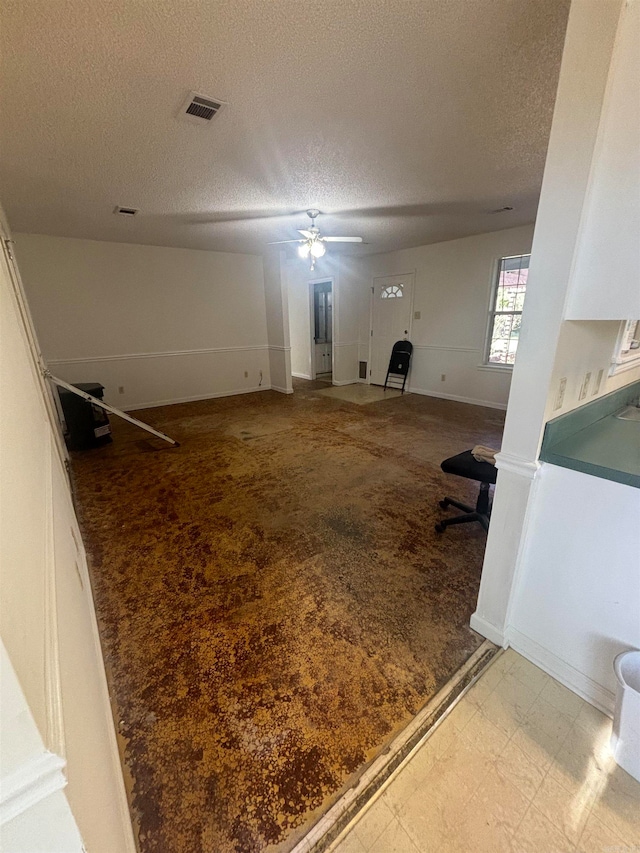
x,y
312,244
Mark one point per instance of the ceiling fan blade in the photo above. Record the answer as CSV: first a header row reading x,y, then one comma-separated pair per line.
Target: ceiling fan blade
x,y
343,239
306,234
278,242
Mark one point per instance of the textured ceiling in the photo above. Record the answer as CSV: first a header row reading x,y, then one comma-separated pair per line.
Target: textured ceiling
x,y
405,121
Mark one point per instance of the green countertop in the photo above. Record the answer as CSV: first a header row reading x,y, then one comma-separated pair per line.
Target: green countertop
x,y
592,440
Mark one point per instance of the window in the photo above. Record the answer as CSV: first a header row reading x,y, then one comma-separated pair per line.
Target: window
x,y
507,301
392,292
627,351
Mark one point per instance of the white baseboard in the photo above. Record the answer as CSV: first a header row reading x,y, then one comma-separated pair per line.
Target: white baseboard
x,y
282,390
479,624
301,376
135,407
489,404
590,690
345,382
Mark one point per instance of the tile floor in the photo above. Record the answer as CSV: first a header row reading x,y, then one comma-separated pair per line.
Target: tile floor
x,y
520,765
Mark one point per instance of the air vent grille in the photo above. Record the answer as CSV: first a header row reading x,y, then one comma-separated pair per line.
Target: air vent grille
x,y
198,108
203,108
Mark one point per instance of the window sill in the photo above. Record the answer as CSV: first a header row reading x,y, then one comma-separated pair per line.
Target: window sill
x,y
622,364
499,368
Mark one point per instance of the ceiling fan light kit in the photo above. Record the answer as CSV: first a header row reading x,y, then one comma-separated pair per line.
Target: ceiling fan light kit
x,y
312,244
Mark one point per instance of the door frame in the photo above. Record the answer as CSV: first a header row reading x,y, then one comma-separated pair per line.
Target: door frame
x,y
372,296
312,326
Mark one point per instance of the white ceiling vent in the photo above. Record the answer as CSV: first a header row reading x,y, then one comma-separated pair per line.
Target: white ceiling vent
x,y
126,211
200,109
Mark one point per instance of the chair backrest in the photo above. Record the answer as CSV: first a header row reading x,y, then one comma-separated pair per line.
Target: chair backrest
x,y
402,346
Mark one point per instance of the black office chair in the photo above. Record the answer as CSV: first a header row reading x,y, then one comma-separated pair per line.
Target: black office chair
x,y
399,362
464,465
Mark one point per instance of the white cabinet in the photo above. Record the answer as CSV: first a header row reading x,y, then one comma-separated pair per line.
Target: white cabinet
x,y
605,283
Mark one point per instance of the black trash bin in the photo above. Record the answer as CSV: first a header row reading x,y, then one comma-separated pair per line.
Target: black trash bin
x,y
87,424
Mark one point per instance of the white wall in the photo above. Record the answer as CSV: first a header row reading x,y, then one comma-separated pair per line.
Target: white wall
x,y
46,610
453,282
577,603
611,216
165,324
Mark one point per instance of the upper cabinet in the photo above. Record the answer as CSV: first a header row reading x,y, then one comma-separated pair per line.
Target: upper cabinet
x,y
605,282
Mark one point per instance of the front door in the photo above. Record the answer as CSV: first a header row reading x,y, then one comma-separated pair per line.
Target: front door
x,y
392,305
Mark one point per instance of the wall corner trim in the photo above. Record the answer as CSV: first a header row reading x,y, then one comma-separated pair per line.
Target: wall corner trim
x,y
488,630
517,465
32,781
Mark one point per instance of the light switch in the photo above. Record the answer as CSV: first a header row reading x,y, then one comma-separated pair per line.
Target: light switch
x,y
416,315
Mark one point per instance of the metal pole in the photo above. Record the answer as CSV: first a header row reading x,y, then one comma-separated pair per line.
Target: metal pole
x,y
103,405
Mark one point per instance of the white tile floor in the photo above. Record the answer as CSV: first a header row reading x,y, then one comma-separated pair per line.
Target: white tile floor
x,y
520,765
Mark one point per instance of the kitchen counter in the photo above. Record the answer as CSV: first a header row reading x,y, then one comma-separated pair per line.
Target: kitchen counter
x,y
593,440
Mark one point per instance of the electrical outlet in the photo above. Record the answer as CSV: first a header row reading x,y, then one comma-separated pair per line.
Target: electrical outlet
x,y
562,387
120,389
416,315
598,382
585,386
443,376
246,374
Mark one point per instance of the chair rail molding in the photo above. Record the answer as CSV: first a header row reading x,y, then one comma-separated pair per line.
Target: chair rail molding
x,y
163,354
31,782
447,348
55,735
506,461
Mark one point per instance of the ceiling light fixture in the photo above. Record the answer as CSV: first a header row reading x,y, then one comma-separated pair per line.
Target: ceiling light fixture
x,y
317,248
311,243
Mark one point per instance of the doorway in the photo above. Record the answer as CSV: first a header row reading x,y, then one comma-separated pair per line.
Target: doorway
x,y
391,314
321,294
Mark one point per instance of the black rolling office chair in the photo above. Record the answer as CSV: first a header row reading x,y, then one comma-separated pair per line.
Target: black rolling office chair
x,y
464,465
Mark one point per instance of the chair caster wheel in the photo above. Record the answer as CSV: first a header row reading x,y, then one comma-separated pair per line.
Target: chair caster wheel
x,y
440,528
443,504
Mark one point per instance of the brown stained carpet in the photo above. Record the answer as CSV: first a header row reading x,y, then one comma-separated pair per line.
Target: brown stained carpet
x,y
274,603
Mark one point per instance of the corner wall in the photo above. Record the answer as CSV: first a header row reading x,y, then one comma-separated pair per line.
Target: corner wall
x,y
453,283
166,325
277,321
585,346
